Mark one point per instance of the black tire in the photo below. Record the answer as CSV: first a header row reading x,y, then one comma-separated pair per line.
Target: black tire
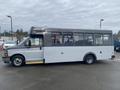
x,y
18,60
89,59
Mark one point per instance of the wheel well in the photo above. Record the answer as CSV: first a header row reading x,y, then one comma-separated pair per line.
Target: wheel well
x,y
18,55
90,54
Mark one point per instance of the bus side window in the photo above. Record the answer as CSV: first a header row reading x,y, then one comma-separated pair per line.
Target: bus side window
x,y
68,39
107,39
56,39
98,39
88,39
78,39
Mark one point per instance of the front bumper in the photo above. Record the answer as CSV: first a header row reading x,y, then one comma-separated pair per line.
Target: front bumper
x,y
6,59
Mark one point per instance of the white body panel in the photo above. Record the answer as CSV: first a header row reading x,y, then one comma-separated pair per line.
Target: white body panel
x,y
30,54
76,53
64,54
64,45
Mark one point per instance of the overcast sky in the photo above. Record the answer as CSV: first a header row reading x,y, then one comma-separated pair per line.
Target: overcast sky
x,y
60,13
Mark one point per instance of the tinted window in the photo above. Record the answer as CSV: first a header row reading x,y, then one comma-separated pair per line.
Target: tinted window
x,y
107,39
56,38
78,39
68,39
98,39
88,39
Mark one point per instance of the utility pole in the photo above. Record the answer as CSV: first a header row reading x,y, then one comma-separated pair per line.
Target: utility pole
x,y
11,26
101,20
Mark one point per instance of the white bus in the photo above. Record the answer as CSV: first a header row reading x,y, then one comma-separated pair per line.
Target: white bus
x,y
54,45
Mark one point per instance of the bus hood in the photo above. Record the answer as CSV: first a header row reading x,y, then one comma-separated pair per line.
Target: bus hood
x,y
15,47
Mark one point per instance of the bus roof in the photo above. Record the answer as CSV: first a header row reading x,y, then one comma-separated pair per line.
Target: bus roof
x,y
42,29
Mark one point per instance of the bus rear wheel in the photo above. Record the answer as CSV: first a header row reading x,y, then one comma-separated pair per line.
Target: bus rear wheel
x,y
17,60
89,59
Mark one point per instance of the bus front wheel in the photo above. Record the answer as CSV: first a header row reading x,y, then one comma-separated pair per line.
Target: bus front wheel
x,y
89,59
17,60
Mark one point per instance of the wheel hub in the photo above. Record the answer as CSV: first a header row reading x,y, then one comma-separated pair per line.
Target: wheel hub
x,y
17,61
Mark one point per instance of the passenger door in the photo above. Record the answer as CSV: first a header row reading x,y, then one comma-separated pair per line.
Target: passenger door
x,y
34,51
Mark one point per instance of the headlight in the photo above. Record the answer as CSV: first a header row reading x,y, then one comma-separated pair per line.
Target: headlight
x,y
6,53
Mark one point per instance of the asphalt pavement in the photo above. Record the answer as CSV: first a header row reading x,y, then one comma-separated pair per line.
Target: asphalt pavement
x,y
104,75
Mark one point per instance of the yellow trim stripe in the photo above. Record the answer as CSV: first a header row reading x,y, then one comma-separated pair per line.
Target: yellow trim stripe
x,y
34,62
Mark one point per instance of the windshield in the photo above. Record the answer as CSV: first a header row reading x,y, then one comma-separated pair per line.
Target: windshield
x,y
22,42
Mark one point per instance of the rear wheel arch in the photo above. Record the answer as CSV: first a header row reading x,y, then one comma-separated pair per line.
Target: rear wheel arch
x,y
90,53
